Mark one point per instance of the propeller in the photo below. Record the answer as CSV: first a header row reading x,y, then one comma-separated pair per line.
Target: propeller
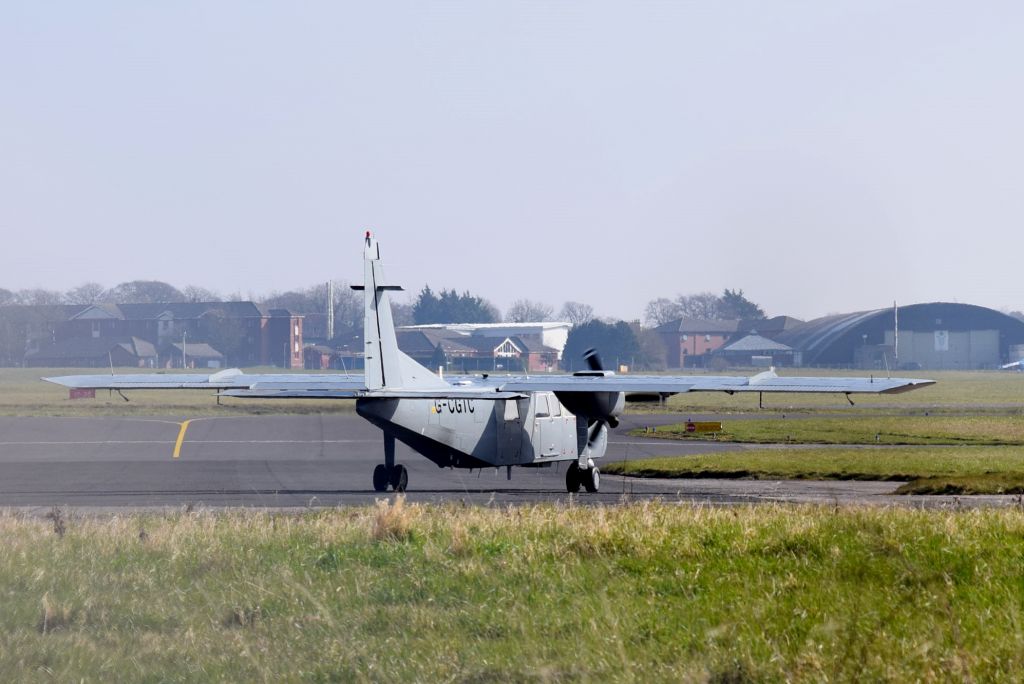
x,y
593,360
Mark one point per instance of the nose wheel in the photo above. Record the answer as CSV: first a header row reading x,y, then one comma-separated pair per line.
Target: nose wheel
x,y
576,477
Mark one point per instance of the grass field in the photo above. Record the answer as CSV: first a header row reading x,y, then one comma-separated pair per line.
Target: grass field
x,y
637,593
866,429
853,463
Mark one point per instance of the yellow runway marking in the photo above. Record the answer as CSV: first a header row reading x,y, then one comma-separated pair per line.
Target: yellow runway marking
x,y
181,438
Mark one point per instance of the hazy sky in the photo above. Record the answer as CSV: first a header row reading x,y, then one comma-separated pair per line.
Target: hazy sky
x,y
823,156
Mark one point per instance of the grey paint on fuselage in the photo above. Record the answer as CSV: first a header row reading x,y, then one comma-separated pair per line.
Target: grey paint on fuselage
x,y
475,433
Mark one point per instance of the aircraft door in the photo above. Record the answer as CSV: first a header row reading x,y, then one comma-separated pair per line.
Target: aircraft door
x,y
510,432
546,435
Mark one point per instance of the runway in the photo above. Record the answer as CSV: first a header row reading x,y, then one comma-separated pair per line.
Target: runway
x,y
327,460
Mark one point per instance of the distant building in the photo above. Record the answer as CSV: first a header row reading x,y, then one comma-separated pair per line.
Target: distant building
x,y
755,350
486,346
938,335
190,355
551,334
688,341
94,352
243,332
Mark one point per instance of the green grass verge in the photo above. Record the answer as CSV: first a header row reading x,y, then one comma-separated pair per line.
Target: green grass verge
x,y
897,464
419,593
874,429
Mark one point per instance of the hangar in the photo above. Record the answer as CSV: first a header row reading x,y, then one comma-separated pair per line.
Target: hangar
x,y
932,336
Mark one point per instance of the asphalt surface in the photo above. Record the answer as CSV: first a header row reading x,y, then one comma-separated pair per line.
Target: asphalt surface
x,y
311,461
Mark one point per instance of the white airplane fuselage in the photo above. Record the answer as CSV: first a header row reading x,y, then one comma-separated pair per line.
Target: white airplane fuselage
x,y
475,433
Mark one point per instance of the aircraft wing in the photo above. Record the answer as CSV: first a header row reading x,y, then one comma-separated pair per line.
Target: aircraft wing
x,y
226,381
669,384
235,383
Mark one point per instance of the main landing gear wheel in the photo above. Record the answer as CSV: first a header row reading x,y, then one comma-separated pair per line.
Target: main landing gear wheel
x,y
399,478
588,478
396,477
380,478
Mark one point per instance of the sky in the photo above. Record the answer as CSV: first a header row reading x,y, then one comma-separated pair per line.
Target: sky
x,y
822,156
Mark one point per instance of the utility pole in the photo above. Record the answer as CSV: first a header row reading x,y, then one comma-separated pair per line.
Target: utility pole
x,y
330,310
896,334
184,363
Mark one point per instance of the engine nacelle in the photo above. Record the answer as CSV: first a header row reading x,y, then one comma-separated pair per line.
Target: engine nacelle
x,y
595,405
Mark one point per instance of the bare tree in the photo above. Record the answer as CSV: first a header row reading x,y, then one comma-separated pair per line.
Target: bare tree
x,y
401,314
528,311
660,311
143,292
196,293
38,296
86,293
577,313
705,305
6,297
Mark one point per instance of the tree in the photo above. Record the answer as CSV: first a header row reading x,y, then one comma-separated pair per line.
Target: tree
x,y
661,311
577,313
652,355
401,314
38,296
704,305
615,342
734,305
528,311
6,297
143,292
451,307
86,293
196,293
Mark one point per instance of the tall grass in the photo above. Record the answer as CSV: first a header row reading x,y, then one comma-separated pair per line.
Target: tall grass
x,y
425,593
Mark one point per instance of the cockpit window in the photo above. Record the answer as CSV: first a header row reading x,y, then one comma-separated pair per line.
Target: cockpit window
x,y
542,406
511,410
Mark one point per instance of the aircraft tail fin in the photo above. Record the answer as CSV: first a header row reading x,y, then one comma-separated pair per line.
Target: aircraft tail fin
x,y
386,366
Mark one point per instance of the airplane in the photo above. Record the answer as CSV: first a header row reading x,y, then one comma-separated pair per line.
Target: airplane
x,y
1016,365
478,421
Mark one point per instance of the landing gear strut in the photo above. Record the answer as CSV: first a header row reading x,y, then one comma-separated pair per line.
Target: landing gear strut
x,y
589,478
388,472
